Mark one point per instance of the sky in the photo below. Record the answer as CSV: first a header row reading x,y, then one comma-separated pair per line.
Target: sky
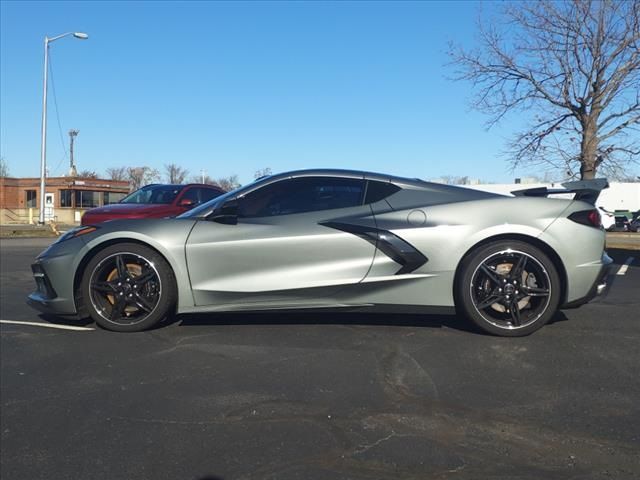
x,y
235,87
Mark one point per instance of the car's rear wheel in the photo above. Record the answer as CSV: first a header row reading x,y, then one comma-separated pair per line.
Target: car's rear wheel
x,y
508,288
128,287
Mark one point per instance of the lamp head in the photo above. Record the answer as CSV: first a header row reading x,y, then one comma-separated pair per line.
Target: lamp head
x,y
80,35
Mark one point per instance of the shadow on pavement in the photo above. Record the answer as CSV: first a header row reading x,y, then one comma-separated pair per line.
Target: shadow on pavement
x,y
309,318
326,318
77,322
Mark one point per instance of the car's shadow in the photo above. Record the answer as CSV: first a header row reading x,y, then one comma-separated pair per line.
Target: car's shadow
x,y
61,320
454,322
323,318
326,317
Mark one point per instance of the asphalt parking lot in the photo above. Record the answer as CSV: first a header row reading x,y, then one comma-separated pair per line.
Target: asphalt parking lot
x,y
320,396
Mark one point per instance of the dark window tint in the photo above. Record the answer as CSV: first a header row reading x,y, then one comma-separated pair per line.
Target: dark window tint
x,y
158,194
200,195
376,191
301,195
87,199
207,194
112,197
192,194
66,198
30,196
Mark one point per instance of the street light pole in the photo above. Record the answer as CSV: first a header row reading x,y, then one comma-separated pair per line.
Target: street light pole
x,y
43,133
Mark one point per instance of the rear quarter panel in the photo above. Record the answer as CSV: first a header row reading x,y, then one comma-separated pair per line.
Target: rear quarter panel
x,y
580,247
449,232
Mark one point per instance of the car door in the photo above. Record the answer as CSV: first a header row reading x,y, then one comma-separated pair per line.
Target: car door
x,y
278,251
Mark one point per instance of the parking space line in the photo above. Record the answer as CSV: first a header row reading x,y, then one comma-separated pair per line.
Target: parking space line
x,y
48,325
623,269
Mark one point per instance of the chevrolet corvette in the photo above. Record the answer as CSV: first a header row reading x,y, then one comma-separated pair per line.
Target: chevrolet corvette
x,y
337,239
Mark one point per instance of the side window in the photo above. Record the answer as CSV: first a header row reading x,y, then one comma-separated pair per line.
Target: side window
x,y
299,195
207,194
192,194
377,191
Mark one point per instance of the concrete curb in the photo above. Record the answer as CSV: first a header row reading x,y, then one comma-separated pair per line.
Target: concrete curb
x,y
31,231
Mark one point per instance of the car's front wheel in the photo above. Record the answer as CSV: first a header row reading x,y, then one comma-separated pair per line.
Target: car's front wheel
x,y
128,287
508,288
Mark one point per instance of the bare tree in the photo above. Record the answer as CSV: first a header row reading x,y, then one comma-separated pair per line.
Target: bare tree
x,y
4,167
263,172
454,180
141,176
573,66
203,178
175,173
226,183
117,173
87,174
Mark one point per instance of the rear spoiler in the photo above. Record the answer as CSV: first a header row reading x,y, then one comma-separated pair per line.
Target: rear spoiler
x,y
585,190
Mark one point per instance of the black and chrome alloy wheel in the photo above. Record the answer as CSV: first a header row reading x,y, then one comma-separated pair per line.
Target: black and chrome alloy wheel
x,y
128,287
509,288
125,288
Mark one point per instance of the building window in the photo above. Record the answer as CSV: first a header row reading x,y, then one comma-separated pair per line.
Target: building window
x,y
66,198
87,199
31,198
112,197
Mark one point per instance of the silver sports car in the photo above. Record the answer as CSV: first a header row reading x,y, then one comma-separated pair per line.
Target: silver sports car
x,y
337,239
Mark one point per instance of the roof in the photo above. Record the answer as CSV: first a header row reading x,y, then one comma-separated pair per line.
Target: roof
x,y
331,172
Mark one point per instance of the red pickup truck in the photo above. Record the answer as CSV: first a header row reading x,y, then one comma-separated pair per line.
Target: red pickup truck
x,y
154,201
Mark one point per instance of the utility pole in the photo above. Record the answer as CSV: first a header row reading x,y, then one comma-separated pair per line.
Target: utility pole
x,y
73,171
203,172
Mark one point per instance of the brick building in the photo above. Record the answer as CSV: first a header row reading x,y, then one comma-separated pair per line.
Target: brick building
x,y
66,198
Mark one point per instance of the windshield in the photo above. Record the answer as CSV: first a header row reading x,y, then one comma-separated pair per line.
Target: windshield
x,y
153,194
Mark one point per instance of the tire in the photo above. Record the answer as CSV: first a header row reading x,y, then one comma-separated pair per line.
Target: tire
x,y
504,302
128,287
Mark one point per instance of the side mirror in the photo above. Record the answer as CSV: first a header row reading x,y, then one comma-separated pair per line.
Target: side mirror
x,y
227,214
226,219
186,202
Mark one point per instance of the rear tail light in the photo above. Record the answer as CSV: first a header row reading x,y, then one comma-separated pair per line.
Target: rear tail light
x,y
591,218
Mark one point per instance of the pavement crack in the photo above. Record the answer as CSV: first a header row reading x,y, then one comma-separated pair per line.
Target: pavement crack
x,y
164,421
404,377
364,448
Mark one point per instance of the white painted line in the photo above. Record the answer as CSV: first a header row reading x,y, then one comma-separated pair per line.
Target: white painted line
x,y
48,325
624,268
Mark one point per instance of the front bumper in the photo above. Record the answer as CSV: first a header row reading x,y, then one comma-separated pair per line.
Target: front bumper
x,y
54,306
53,272
45,298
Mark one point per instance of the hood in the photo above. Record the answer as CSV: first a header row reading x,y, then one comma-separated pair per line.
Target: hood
x,y
128,211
